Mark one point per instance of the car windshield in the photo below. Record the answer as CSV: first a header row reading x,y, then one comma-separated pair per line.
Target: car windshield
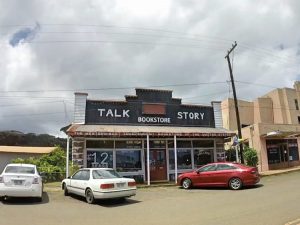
x,y
20,169
100,174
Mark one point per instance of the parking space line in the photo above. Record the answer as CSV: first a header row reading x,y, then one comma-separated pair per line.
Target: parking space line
x,y
293,222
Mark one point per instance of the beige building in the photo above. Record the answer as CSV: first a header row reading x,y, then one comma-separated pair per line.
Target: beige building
x,y
8,153
271,125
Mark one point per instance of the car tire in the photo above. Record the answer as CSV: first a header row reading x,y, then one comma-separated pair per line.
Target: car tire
x,y
235,183
66,192
186,183
89,196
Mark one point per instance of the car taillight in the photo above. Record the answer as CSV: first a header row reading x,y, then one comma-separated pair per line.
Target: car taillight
x,y
35,180
1,180
131,184
107,186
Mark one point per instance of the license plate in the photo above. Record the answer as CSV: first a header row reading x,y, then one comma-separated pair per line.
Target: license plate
x,y
120,184
18,182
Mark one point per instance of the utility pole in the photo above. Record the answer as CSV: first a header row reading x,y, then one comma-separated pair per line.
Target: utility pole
x,y
235,100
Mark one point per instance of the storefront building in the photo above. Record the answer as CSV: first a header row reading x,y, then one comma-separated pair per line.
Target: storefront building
x,y
150,136
271,125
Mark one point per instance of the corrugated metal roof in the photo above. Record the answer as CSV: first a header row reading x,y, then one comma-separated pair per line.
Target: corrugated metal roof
x,y
32,150
134,131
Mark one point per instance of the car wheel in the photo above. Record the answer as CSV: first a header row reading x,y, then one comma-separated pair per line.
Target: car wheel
x,y
89,196
235,183
66,192
186,183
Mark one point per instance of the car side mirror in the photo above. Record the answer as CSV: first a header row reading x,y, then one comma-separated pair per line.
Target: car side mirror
x,y
69,177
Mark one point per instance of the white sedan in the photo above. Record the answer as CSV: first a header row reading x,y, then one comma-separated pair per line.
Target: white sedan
x,y
99,183
21,180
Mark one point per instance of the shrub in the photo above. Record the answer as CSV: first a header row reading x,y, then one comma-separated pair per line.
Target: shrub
x,y
52,165
250,156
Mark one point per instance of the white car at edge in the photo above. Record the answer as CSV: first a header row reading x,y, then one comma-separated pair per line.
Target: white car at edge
x,y
21,180
99,183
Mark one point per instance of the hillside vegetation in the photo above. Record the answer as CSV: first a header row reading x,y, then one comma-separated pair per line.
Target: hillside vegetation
x,y
16,138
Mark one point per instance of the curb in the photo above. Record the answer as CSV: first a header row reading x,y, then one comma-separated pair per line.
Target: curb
x,y
278,173
143,186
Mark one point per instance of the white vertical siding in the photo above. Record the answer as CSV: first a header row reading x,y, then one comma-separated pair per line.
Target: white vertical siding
x,y
79,110
218,114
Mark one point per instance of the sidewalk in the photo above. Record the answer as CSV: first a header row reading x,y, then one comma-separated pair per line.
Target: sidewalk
x,y
281,171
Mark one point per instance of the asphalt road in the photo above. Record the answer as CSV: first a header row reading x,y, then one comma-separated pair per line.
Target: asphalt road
x,y
276,200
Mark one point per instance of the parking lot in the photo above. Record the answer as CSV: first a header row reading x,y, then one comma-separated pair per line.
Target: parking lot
x,y
274,201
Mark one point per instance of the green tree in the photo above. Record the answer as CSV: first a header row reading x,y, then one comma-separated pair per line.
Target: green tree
x,y
250,156
52,165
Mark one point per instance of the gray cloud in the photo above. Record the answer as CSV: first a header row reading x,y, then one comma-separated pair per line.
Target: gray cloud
x,y
25,34
108,44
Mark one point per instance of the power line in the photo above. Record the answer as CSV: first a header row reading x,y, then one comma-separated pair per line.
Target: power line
x,y
214,38
12,105
32,114
113,88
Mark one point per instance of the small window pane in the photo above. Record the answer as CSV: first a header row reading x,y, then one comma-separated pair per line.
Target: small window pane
x,y
184,144
99,144
129,144
296,104
155,144
203,144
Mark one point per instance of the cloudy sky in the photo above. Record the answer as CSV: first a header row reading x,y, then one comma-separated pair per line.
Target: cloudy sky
x,y
50,49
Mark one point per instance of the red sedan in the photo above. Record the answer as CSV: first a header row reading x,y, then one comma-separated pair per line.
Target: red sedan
x,y
222,174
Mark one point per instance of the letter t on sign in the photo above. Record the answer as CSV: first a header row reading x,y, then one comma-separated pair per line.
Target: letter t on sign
x,y
101,112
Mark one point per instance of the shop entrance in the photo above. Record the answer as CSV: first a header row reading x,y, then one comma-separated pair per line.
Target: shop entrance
x,y
284,156
282,153
158,165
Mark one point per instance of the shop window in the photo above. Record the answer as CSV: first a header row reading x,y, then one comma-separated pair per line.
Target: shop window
x,y
221,155
170,144
128,160
273,154
100,159
99,144
155,144
180,144
296,104
203,143
184,160
293,150
128,144
202,157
